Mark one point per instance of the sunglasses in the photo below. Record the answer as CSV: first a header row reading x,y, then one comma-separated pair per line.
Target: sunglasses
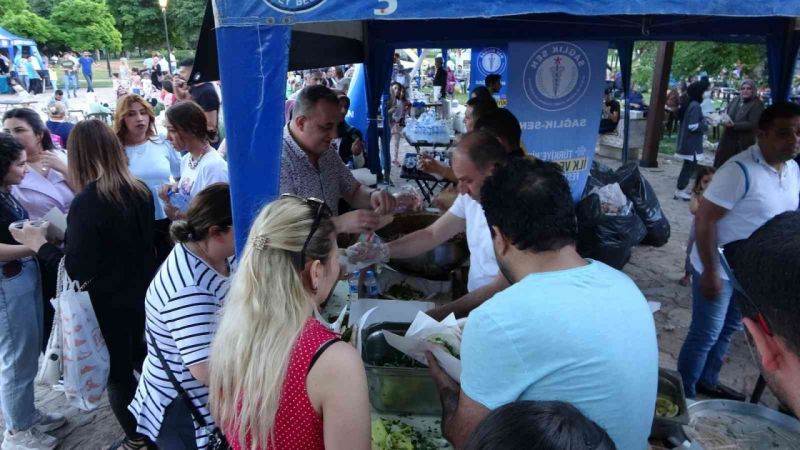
x,y
320,210
759,318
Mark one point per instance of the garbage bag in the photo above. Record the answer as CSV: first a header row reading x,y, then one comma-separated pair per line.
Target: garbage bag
x,y
599,175
607,237
645,203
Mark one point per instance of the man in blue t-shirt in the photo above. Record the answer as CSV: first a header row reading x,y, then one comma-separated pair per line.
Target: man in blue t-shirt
x,y
568,329
86,63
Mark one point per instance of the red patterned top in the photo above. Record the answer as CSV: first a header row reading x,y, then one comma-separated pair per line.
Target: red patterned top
x,y
297,424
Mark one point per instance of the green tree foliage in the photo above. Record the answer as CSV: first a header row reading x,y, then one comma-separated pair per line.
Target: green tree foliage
x,y
13,7
690,58
87,25
42,7
139,22
27,24
186,18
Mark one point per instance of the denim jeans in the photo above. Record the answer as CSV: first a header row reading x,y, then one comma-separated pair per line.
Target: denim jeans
x,y
88,78
20,344
713,324
71,79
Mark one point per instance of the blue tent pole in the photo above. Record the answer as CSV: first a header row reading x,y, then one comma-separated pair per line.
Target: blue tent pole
x,y
419,72
253,117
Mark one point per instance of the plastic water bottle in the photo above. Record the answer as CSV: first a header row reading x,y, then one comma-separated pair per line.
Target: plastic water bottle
x,y
371,285
352,281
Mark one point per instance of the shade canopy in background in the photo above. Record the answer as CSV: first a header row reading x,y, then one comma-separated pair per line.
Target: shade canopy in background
x,y
259,41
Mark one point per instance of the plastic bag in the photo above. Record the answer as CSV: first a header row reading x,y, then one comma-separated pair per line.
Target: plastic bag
x,y
86,359
645,204
366,253
604,237
612,200
408,199
52,367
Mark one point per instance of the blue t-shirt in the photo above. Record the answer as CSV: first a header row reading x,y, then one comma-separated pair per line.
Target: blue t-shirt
x,y
86,64
584,336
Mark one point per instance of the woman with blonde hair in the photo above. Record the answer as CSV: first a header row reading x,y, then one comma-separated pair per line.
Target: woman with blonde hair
x,y
151,158
279,379
109,249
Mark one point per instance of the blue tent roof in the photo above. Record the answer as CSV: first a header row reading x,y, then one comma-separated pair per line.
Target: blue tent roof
x,y
7,39
276,35
286,12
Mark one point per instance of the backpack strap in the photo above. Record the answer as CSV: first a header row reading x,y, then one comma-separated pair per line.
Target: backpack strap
x,y
746,178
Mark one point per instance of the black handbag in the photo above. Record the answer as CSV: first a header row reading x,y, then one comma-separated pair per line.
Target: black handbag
x,y
216,440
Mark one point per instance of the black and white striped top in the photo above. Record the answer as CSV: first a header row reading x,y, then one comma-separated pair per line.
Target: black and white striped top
x,y
181,306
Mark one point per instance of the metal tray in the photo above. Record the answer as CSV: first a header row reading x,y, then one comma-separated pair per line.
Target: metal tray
x,y
747,425
670,385
396,390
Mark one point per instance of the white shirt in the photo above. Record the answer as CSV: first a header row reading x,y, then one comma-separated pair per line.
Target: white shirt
x,y
482,263
770,193
211,169
153,162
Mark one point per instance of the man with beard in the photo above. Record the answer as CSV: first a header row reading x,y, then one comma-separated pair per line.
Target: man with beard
x,y
767,267
568,329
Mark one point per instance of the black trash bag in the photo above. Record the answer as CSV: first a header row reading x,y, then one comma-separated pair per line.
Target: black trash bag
x,y
607,238
638,190
599,176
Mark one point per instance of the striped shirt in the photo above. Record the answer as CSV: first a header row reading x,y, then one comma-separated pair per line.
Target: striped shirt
x,y
181,305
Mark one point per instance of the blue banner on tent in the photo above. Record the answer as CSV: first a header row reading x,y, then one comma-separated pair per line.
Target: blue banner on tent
x,y
556,92
486,61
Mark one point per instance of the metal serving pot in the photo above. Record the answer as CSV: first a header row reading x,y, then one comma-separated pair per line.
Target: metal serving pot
x,y
435,264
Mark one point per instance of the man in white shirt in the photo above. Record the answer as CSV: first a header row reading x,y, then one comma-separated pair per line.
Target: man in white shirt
x,y
474,160
747,191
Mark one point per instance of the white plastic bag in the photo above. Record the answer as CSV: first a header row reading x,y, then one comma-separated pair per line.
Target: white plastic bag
x,y
52,366
86,359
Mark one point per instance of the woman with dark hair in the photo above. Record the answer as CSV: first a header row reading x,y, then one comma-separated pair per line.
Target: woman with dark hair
x,y
399,107
201,166
109,247
690,138
182,305
151,158
482,92
20,317
47,185
530,425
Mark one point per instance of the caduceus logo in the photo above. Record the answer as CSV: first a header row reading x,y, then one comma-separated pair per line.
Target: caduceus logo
x,y
556,76
294,6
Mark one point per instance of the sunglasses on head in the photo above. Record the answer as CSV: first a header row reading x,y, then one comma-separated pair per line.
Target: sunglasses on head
x,y
320,209
759,318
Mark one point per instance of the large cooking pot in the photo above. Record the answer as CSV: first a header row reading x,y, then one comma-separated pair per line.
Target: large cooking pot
x,y
435,264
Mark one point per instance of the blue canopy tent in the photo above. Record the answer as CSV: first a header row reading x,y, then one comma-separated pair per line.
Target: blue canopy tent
x,y
275,36
10,41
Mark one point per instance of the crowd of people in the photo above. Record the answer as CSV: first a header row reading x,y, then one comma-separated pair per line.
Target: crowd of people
x,y
227,345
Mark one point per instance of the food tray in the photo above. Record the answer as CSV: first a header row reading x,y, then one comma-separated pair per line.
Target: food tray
x,y
731,425
396,390
670,385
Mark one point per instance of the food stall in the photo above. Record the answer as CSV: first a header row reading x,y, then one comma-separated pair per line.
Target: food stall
x,y
276,36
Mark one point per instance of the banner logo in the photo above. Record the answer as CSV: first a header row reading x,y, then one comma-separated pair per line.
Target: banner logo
x,y
294,6
492,60
556,76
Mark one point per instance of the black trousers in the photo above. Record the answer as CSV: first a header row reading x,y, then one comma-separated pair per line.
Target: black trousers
x,y
123,331
607,126
687,171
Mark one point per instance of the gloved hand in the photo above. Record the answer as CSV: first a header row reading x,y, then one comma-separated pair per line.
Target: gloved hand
x,y
367,253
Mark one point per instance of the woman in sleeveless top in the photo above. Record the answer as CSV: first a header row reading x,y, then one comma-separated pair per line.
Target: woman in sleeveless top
x,y
278,378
